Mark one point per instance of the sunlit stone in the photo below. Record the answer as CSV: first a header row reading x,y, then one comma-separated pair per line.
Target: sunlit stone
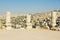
x,y
8,21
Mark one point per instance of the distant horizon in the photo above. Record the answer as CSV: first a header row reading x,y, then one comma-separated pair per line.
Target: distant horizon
x,y
28,6
27,13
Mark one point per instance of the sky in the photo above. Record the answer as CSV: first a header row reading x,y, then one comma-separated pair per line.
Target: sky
x,y
28,6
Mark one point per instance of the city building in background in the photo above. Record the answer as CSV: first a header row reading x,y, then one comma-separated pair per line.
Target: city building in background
x,y
46,20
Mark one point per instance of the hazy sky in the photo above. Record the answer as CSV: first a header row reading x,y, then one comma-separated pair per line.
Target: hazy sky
x,y
28,6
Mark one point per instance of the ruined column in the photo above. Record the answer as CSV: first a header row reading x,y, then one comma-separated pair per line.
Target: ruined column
x,y
29,25
53,23
0,24
8,21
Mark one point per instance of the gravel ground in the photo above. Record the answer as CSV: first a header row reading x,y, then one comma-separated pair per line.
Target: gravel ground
x,y
29,35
